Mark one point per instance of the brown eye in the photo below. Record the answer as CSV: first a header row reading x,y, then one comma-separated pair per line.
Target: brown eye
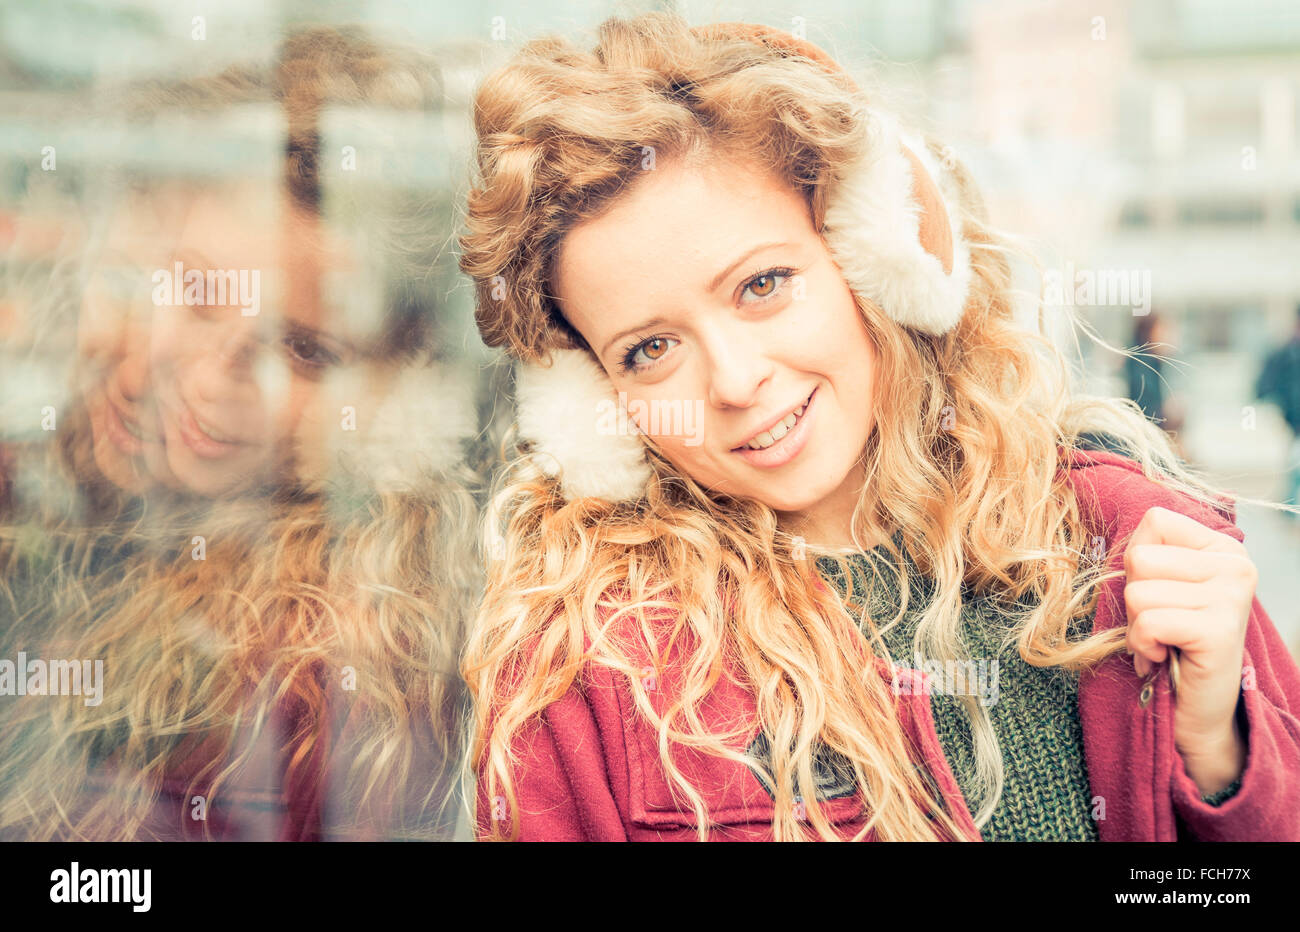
x,y
309,352
766,284
762,292
642,351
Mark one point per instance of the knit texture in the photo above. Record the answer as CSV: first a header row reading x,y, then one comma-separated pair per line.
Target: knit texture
x,y
1033,710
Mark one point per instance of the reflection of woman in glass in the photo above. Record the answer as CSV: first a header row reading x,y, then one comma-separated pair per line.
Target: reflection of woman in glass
x,y
279,613
811,327
113,367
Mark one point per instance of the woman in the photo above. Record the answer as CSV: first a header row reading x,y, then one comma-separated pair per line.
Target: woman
x,y
274,572
810,325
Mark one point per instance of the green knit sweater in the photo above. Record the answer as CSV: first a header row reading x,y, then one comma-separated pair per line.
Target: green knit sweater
x,y
1033,710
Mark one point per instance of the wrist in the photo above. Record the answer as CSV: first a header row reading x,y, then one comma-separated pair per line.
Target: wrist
x,y
1215,763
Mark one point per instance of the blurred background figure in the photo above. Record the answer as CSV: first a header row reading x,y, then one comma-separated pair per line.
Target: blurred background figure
x,y
1146,371
1279,383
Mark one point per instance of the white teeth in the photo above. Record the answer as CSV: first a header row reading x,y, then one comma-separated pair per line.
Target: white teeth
x,y
212,434
769,437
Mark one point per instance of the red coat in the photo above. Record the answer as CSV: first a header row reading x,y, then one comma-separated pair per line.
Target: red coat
x,y
255,803
590,770
1132,762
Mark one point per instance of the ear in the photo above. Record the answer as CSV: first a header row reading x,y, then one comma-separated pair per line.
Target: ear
x,y
892,225
890,222
579,429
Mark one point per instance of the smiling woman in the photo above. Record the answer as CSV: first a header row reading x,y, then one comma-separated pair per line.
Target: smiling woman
x,y
718,219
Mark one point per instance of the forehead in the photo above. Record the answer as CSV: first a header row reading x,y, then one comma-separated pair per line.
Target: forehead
x,y
241,226
311,271
676,228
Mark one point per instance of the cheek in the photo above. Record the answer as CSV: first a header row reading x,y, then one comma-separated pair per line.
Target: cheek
x,y
170,339
102,343
855,370
676,429
96,330
847,339
688,448
297,407
859,388
847,356
671,420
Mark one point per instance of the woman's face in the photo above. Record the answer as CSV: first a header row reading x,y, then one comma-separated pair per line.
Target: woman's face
x,y
113,332
115,393
231,388
709,296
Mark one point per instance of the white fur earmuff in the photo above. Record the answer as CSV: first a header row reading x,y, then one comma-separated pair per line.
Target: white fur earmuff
x,y
565,412
873,229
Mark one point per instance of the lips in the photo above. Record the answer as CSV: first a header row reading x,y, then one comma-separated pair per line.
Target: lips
x,y
203,438
768,429
790,445
124,433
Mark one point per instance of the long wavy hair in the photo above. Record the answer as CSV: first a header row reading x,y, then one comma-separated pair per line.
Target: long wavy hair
x,y
963,464
344,618
334,601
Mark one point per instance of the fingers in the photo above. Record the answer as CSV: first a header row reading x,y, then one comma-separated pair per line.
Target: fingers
x,y
1165,593
1142,666
1231,565
1151,631
1186,585
1169,561
1162,526
1201,636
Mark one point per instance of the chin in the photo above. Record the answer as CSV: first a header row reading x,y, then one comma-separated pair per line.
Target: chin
x,y
786,502
117,471
207,483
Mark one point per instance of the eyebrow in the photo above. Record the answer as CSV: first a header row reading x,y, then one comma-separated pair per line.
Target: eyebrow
x,y
289,325
713,286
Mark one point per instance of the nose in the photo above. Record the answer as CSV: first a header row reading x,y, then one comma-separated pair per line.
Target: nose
x,y
225,368
132,375
237,346
738,365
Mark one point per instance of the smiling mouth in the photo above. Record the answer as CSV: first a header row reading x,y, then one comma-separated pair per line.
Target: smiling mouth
x,y
770,437
200,436
123,429
212,433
